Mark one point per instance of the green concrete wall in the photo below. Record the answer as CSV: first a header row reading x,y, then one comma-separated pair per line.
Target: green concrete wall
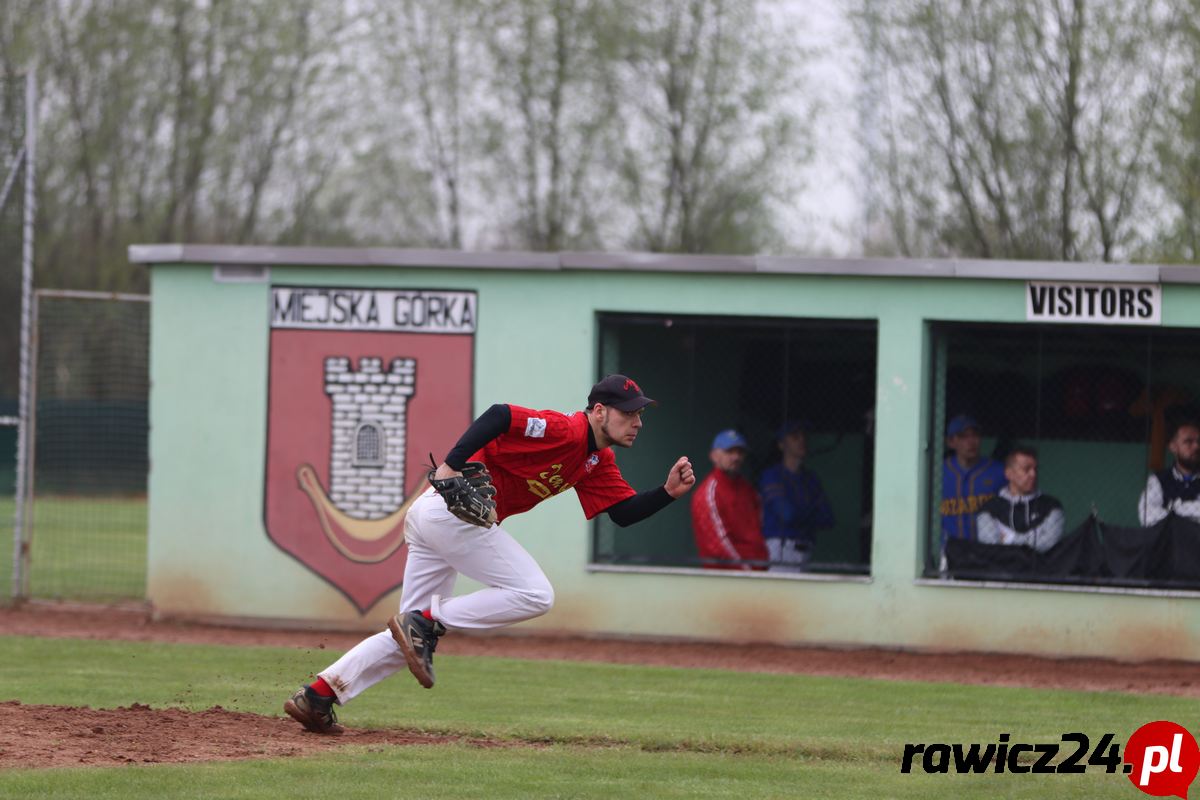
x,y
537,345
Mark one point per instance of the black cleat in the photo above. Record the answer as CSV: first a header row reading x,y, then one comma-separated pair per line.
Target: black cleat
x,y
313,711
417,637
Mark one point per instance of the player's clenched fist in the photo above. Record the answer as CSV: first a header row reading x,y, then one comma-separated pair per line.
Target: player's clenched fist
x,y
681,478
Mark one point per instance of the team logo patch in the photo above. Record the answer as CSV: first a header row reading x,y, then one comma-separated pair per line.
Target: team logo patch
x,y
591,463
535,428
363,384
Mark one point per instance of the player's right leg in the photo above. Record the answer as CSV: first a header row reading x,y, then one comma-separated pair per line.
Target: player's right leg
x,y
363,666
376,657
313,710
517,589
427,575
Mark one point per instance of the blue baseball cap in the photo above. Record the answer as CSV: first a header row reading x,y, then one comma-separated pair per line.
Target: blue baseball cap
x,y
961,423
727,440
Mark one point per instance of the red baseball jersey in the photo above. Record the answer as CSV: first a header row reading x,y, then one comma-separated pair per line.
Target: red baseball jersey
x,y
544,453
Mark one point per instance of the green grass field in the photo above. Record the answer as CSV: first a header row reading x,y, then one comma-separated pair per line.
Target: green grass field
x,y
605,730
82,548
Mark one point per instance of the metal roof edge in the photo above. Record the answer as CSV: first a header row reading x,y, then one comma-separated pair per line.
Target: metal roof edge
x,y
1099,272
500,259
337,256
1179,273
877,267
657,262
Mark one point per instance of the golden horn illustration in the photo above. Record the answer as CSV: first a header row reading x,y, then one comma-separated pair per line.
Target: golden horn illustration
x,y
366,541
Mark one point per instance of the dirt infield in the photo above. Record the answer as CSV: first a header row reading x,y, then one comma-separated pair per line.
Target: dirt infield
x,y
58,736
62,736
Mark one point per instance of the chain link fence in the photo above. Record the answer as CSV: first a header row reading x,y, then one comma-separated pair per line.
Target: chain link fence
x,y
87,520
1098,407
754,376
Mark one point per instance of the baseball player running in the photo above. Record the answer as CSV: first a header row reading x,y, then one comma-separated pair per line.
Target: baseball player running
x,y
508,461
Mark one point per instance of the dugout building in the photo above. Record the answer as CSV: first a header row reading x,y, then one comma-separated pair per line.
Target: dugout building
x,y
297,394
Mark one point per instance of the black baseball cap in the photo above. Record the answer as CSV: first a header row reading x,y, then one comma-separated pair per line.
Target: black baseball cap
x,y
619,392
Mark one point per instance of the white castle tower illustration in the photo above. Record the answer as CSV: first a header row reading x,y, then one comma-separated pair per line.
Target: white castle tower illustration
x,y
370,407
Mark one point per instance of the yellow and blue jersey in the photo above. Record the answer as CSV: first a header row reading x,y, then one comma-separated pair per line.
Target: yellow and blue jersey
x,y
964,492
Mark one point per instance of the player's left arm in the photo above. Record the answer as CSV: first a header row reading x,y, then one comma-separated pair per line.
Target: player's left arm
x,y
680,479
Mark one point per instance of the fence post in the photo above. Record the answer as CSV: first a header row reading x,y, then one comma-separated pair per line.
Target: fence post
x,y
19,520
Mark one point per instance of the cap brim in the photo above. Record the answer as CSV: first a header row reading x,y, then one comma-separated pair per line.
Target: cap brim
x,y
634,404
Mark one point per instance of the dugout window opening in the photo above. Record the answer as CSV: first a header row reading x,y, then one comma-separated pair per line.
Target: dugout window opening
x,y
711,373
1097,404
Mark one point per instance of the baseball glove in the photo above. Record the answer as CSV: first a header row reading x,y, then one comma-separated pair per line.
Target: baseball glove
x,y
468,496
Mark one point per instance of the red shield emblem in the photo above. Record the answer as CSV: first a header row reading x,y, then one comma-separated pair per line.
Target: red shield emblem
x,y
364,384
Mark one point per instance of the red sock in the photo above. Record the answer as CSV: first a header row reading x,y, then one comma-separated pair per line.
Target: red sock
x,y
322,688
428,614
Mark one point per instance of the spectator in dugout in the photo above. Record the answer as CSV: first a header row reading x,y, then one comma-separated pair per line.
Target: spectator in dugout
x,y
795,507
968,479
1175,489
1020,514
726,512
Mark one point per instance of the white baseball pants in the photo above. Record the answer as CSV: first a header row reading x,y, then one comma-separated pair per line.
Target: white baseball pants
x,y
440,547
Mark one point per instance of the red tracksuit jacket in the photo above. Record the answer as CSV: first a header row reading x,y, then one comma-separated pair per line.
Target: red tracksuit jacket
x,y
727,522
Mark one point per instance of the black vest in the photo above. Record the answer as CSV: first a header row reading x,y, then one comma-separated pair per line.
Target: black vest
x,y
1174,489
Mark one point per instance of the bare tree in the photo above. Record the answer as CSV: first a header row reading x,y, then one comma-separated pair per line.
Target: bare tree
x,y
168,122
1018,129
198,82
430,54
548,116
280,58
1177,148
101,89
707,135
544,124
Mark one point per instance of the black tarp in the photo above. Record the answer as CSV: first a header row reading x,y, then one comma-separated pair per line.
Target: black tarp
x,y
1165,555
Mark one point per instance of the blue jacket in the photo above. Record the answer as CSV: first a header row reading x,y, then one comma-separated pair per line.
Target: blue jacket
x,y
794,504
964,492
